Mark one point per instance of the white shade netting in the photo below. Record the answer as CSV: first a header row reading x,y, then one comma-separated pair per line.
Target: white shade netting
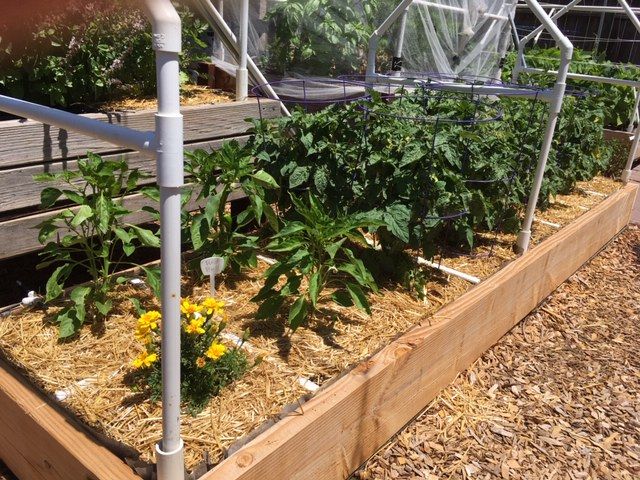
x,y
329,38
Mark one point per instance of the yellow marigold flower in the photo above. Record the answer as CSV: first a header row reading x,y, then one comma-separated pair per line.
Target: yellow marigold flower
x,y
145,359
151,318
147,323
195,326
200,362
189,308
213,306
215,351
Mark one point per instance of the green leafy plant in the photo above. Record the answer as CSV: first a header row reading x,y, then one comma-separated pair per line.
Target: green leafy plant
x,y
213,231
322,37
615,101
87,52
92,236
207,364
430,181
315,255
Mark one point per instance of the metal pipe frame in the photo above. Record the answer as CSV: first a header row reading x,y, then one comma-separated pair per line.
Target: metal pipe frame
x,y
216,21
625,9
555,105
583,8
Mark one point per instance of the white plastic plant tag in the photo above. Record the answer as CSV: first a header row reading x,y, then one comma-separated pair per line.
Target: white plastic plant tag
x,y
212,266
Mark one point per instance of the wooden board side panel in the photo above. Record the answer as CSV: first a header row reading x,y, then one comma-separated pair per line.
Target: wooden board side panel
x,y
19,190
39,442
346,423
27,142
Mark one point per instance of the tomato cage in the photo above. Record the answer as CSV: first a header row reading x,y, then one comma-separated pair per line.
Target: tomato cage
x,y
449,123
313,93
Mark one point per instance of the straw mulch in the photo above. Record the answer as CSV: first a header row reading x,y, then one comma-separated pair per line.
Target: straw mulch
x,y
91,370
189,95
557,397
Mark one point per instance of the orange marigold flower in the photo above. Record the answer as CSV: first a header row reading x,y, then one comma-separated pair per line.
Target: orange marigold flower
x,y
200,362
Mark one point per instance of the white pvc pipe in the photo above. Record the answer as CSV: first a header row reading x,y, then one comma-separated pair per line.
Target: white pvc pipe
x,y
439,6
587,78
167,39
584,8
634,113
400,40
242,80
121,136
520,65
626,173
566,53
220,43
450,271
375,36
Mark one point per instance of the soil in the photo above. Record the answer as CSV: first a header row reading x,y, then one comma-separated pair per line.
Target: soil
x,y
90,371
557,397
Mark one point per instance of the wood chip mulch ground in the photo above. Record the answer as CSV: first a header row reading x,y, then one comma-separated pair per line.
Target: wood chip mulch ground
x,y
557,398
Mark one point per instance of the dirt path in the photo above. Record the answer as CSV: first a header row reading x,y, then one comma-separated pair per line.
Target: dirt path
x,y
557,397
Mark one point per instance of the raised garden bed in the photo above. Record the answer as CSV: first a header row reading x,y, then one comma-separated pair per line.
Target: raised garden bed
x,y
359,411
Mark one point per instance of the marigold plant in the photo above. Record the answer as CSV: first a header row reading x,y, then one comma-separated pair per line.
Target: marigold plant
x,y
208,365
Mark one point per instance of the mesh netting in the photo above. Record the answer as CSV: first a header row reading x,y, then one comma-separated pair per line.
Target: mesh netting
x,y
295,38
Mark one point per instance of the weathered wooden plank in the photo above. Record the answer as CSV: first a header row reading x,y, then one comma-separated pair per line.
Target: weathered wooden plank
x,y
20,235
26,142
19,190
39,442
344,424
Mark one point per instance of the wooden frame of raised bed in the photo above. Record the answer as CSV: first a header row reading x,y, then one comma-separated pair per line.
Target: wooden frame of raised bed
x,y
333,433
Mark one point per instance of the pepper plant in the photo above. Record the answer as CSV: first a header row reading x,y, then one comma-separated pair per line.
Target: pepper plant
x,y
316,262
219,174
91,235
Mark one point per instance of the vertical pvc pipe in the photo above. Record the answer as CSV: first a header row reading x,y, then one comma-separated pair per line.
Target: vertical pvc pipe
x,y
634,112
626,173
216,21
220,45
400,42
241,72
169,151
375,36
555,105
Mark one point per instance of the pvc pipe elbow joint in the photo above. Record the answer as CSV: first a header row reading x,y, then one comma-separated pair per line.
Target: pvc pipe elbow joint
x,y
166,24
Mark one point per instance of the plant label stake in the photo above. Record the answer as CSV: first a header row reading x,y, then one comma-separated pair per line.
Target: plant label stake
x,y
212,266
